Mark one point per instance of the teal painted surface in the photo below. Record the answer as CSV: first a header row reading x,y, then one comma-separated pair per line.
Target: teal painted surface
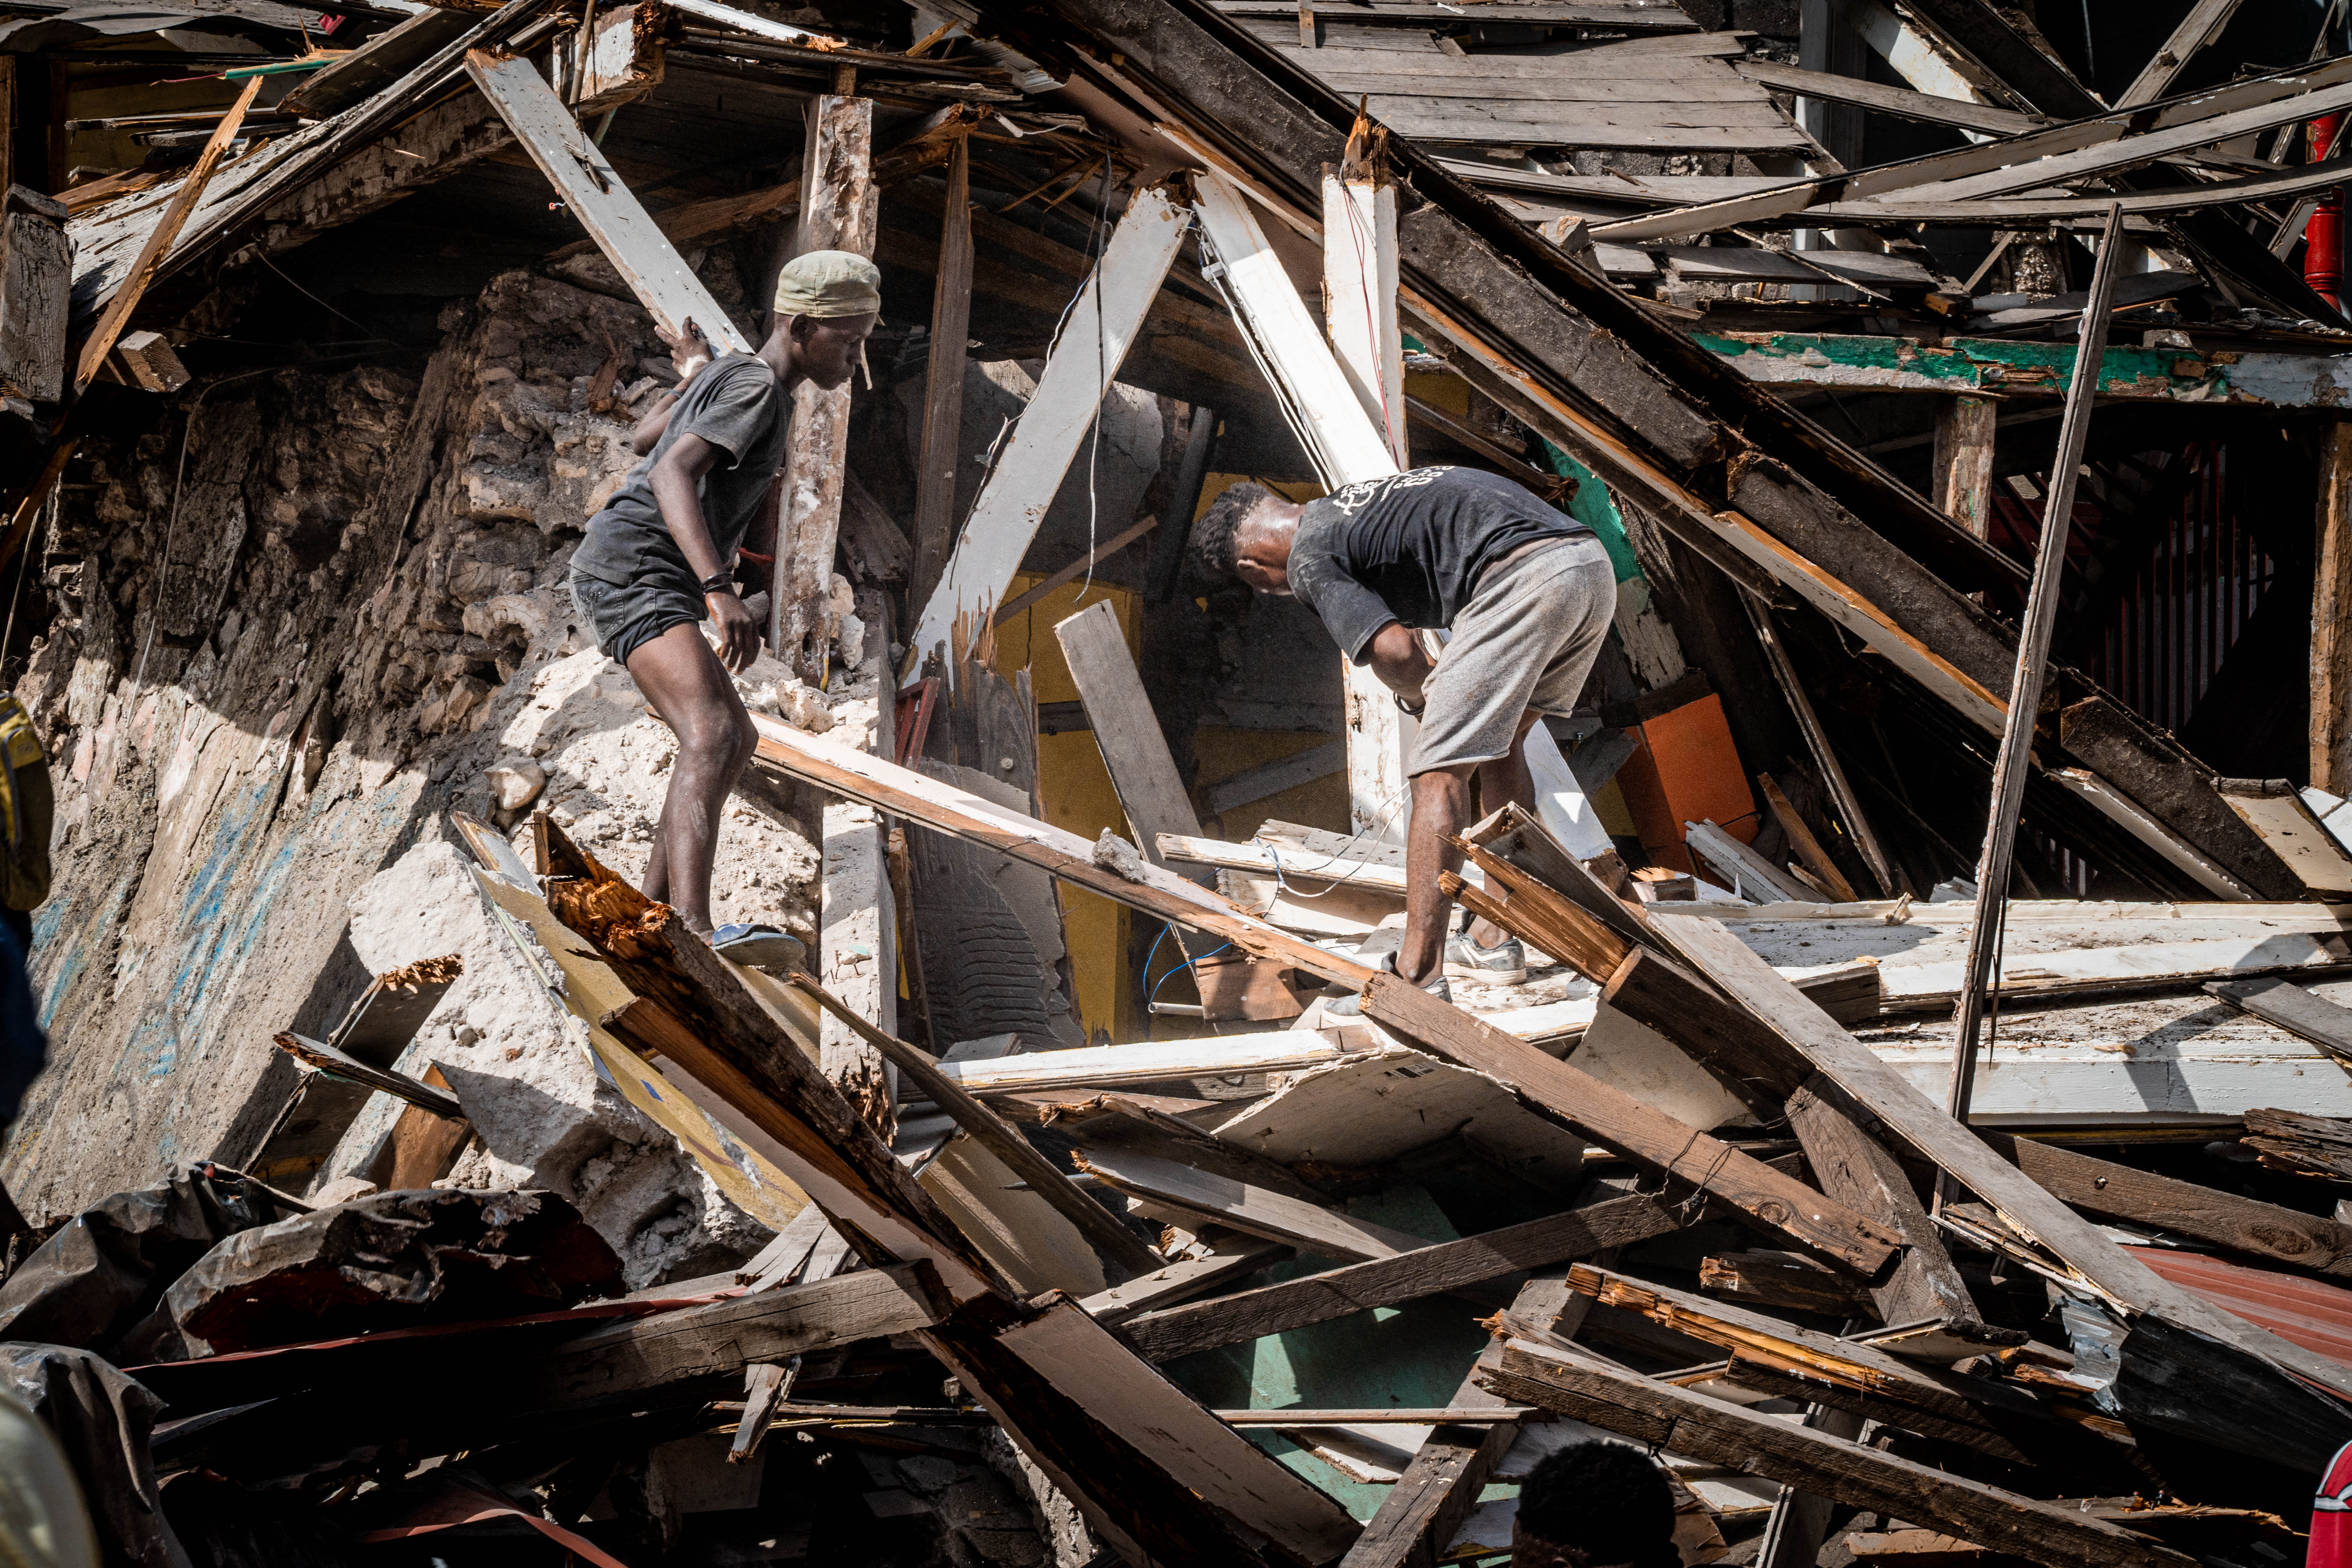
x,y
1594,506
2016,366
1412,1355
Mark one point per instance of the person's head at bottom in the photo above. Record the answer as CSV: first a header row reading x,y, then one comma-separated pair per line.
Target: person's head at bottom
x,y
1595,1505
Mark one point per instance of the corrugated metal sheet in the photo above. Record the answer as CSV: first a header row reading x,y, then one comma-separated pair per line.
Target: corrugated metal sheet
x,y
2305,1312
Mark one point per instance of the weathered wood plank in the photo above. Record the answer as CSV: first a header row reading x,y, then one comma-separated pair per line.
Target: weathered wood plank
x,y
1126,732
935,521
1903,1111
2279,1001
1312,1228
1424,1272
36,294
1703,1428
1649,1137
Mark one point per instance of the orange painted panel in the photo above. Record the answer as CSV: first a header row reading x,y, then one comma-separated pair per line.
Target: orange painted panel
x,y
1686,770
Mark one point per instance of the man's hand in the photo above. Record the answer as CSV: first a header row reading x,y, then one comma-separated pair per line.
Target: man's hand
x,y
689,352
1398,660
739,636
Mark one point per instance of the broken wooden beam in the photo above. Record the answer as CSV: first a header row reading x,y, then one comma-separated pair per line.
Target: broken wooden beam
x,y
1585,1389
326,1058
1649,1137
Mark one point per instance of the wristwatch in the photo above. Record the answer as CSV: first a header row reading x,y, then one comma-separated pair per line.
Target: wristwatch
x,y
1414,709
719,582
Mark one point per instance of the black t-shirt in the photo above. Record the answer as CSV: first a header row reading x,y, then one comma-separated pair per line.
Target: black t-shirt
x,y
1409,548
739,407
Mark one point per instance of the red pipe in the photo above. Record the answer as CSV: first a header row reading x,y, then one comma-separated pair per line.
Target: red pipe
x,y
2323,236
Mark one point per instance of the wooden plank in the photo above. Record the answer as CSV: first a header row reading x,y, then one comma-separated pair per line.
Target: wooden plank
x,y
1817,740
1701,1427
1126,732
2012,760
1877,1088
160,241
1048,1181
593,192
1961,471
326,1058
1747,873
1234,1254
36,289
1901,102
2311,1146
2270,1232
901,791
857,925
2100,141
1431,1271
1132,1450
1146,1061
1807,847
1852,1374
1314,1228
2199,27
841,208
1252,784
721,1338
1537,13
1083,563
2331,617
1271,858
1650,1138
1102,325
2278,1001
1359,288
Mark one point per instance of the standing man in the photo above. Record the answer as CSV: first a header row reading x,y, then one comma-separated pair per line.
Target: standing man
x,y
1529,594
659,556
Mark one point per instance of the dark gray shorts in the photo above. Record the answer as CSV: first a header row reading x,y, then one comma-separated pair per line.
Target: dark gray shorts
x,y
624,619
1525,640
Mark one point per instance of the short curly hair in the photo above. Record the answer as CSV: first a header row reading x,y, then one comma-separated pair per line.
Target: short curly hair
x,y
1215,536
1601,1503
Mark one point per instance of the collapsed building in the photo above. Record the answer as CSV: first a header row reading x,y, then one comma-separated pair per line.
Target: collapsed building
x,y
1048,1207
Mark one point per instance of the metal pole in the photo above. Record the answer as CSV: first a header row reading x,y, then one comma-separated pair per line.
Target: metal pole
x,y
2009,768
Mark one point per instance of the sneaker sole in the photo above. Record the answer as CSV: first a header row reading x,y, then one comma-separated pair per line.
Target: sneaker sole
x,y
1485,976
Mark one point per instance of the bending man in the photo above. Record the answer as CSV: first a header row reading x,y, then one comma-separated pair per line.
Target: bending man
x,y
1529,596
658,556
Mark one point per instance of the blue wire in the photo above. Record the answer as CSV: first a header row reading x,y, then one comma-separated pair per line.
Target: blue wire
x,y
1173,973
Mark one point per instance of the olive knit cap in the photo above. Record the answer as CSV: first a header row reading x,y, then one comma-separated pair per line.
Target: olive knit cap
x,y
829,284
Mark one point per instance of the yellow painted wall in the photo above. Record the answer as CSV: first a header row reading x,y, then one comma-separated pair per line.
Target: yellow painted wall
x,y
1076,792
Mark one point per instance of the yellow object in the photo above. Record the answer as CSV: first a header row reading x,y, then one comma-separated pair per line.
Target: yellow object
x,y
27,809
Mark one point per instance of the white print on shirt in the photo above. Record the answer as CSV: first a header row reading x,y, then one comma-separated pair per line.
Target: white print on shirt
x,y
1353,498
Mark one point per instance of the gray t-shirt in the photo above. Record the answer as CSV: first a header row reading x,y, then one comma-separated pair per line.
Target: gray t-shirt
x,y
739,407
1409,548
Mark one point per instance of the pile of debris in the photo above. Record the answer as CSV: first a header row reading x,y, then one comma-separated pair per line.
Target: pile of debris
x,y
1050,1213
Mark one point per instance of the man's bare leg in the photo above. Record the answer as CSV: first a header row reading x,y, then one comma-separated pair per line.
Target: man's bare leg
x,y
690,690
1441,810
1505,779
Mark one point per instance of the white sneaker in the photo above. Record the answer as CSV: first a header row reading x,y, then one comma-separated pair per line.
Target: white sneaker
x,y
1503,964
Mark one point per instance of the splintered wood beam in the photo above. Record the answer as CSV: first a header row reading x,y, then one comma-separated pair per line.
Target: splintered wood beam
x,y
2199,27
902,791
2076,149
943,380
1126,732
1699,1428
2286,1237
2331,615
1817,740
1142,1458
1878,1089
1312,1228
1180,1331
726,1336
326,1058
1932,109
2283,1005
593,193
1102,325
2012,759
1807,847
1342,439
1360,290
1102,1230
1652,1139
160,241
840,209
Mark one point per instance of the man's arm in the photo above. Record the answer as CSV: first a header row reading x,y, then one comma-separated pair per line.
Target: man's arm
x,y
676,485
688,353
1396,657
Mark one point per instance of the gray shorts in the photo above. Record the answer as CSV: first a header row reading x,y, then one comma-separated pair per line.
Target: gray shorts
x,y
624,619
1527,639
